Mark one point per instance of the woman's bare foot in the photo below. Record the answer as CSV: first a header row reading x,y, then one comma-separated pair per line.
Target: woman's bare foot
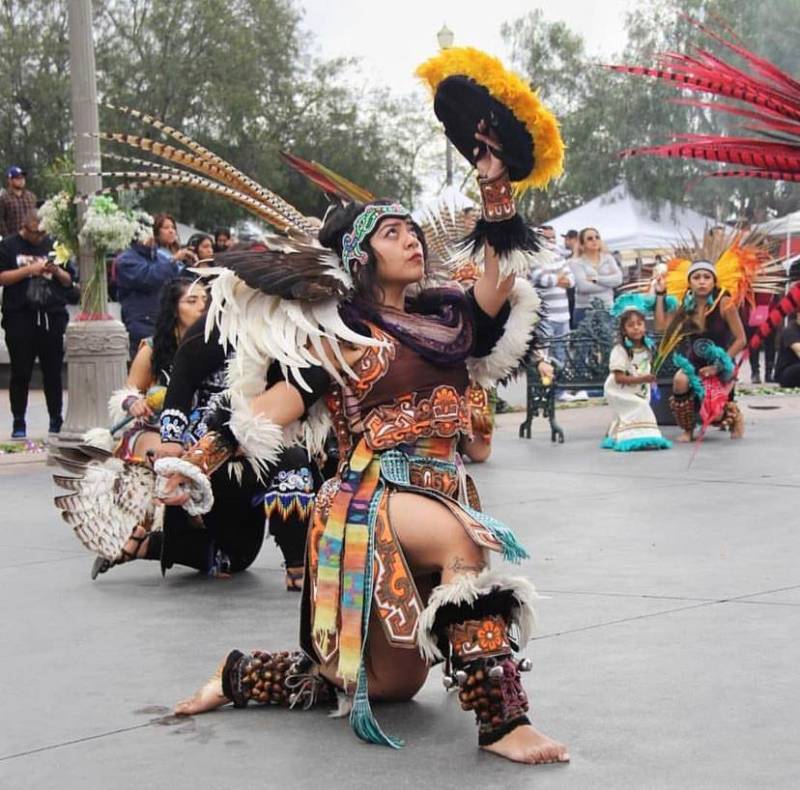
x,y
737,431
208,697
685,438
526,744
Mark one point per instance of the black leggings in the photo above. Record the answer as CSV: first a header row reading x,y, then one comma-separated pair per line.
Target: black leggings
x,y
232,531
30,335
790,376
769,352
234,528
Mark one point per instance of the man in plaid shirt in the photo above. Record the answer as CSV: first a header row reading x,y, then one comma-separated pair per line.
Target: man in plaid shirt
x,y
15,202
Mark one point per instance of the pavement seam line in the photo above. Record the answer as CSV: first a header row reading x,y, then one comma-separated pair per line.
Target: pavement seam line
x,y
626,620
715,602
7,757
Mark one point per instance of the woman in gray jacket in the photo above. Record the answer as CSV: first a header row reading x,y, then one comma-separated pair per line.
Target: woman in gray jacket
x,y
596,272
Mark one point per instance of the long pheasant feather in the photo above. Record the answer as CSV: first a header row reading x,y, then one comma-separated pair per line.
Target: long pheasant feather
x,y
276,203
146,179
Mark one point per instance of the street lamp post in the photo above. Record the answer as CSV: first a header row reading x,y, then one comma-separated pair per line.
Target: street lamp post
x,y
446,37
96,351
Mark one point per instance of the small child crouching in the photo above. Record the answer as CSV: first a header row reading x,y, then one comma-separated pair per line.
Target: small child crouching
x,y
627,389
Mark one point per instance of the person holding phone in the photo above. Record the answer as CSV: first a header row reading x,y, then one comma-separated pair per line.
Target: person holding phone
x,y
35,294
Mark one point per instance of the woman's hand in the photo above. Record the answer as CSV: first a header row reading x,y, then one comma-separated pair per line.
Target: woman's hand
x,y
187,256
648,378
545,370
487,163
660,282
707,371
173,490
140,410
37,268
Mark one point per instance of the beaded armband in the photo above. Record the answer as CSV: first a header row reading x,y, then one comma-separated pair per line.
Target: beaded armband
x,y
497,198
174,424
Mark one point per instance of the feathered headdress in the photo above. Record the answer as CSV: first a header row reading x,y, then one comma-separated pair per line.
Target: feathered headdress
x,y
772,99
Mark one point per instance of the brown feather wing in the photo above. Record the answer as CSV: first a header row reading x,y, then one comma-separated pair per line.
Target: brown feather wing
x,y
304,272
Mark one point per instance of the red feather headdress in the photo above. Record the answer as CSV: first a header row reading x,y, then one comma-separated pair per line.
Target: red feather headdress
x,y
773,96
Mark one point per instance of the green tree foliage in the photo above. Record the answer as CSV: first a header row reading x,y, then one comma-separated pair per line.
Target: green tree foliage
x,y
603,113
234,74
34,85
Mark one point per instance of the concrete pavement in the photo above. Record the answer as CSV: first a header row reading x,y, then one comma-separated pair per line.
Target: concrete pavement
x,y
666,655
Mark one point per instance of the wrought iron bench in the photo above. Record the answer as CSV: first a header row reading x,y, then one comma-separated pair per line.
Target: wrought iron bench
x,y
585,352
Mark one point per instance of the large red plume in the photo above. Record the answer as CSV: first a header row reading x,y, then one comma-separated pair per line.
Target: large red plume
x,y
773,97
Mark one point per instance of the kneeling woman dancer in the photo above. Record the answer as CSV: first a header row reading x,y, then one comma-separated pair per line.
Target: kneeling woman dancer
x,y
397,574
712,335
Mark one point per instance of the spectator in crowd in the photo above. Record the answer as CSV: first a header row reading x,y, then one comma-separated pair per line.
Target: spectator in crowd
x,y
222,239
787,366
571,243
571,247
15,202
596,272
752,317
165,231
141,272
202,245
35,294
551,277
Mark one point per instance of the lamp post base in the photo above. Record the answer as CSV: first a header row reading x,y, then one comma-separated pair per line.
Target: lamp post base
x,y
97,356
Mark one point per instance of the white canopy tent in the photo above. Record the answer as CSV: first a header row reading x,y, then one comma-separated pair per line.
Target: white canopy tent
x,y
783,226
626,223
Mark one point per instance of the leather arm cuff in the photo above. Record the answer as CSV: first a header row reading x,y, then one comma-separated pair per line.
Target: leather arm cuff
x,y
497,198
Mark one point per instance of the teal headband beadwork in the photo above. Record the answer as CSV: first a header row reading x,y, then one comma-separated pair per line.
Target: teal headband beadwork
x,y
352,253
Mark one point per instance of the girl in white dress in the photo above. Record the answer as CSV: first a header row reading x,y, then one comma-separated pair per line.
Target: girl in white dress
x,y
627,389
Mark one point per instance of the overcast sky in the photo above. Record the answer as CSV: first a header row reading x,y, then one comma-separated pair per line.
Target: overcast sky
x,y
391,39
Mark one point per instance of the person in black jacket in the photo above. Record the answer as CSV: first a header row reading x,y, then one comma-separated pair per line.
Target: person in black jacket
x,y
230,535
35,294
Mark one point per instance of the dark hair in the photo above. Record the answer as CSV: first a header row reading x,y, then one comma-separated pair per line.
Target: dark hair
x,y
222,232
158,222
623,319
196,239
165,335
338,221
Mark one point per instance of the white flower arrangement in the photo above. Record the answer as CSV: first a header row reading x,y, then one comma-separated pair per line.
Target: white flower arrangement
x,y
59,218
109,228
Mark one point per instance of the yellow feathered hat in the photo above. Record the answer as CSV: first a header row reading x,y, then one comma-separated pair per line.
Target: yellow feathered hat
x,y
469,86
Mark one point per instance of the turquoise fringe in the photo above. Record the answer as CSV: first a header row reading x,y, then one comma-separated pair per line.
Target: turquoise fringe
x,y
395,469
719,357
363,721
512,549
639,443
644,303
688,368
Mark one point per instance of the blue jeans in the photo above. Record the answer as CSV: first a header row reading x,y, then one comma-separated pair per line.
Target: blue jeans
x,y
556,332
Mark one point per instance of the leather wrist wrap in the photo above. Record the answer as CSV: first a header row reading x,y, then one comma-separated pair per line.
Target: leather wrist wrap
x,y
209,453
497,198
